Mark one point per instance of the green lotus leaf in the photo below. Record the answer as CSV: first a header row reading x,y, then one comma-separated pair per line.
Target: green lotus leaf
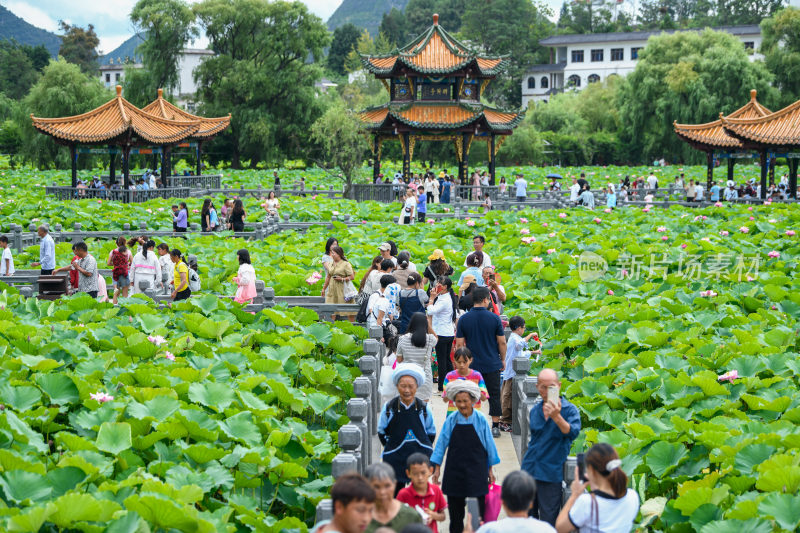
x,y
752,455
663,457
217,396
20,486
65,479
783,508
60,388
20,398
114,437
241,428
753,525
31,519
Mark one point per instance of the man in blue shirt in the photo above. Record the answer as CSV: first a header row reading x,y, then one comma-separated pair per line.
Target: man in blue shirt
x,y
47,252
714,192
553,428
481,331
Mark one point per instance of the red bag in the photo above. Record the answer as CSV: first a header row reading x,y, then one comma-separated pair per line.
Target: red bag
x,y
493,503
119,262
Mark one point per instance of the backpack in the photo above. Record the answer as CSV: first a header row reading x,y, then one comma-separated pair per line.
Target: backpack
x,y
119,262
194,280
363,301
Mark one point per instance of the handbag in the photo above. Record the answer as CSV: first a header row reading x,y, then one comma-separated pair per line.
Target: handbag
x,y
350,291
386,385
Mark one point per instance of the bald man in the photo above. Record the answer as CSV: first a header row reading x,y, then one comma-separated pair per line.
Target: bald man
x,y
554,425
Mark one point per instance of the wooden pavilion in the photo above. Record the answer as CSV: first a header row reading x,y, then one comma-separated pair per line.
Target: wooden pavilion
x,y
209,127
712,138
435,84
122,126
777,133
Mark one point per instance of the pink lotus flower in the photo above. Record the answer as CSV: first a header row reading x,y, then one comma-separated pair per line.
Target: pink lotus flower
x,y
610,292
695,218
774,254
551,251
528,240
772,221
313,278
646,210
169,355
523,221
470,223
99,201
705,239
496,223
524,231
729,376
149,210
562,215
724,233
661,229
553,234
624,273
744,229
537,259
790,233
708,294
718,204
431,221
607,210
363,221
544,224
34,220
684,246
703,217
752,218
750,278
664,238
334,212
596,220
195,211
446,209
750,208
160,208
101,397
158,340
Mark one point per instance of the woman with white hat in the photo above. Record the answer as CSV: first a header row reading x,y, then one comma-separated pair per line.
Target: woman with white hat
x,y
406,424
471,453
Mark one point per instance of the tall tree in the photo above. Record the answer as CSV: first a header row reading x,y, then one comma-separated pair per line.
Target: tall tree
x,y
18,73
687,77
63,90
345,38
781,49
261,75
509,27
168,26
393,26
79,46
340,137
419,16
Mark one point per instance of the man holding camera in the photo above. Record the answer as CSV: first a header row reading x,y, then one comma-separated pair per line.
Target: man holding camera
x,y
496,291
555,423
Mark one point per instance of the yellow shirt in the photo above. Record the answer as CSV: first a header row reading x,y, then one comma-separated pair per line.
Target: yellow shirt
x,y
179,284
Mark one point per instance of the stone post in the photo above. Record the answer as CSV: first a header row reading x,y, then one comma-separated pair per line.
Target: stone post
x,y
369,368
17,229
268,295
349,442
521,365
531,397
76,230
362,388
358,413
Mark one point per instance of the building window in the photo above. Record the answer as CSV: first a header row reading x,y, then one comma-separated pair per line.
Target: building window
x,y
116,76
593,78
749,45
544,82
577,56
574,81
597,55
617,54
635,53
108,78
531,83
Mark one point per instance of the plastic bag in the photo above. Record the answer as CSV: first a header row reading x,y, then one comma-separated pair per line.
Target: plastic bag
x,y
350,291
493,503
386,385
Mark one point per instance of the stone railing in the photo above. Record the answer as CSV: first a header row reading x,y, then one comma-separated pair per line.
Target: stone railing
x,y
358,438
117,195
210,181
261,192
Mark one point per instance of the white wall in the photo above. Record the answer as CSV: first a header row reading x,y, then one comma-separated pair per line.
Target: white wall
x,y
187,63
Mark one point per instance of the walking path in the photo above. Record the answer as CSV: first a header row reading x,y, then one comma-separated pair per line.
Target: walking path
x,y
505,447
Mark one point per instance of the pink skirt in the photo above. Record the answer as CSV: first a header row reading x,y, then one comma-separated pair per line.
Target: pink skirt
x,y
245,293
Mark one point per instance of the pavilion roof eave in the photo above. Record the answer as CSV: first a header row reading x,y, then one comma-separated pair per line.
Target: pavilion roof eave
x,y
209,127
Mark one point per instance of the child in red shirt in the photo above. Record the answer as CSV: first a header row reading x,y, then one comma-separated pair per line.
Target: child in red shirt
x,y
423,496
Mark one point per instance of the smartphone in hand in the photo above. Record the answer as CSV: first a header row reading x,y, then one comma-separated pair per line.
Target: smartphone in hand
x,y
552,394
581,460
475,513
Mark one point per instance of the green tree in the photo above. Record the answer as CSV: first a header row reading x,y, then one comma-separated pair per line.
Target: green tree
x,y
63,90
781,49
261,75
593,18
419,16
524,147
79,46
340,137
393,26
18,73
688,78
345,38
559,115
509,27
366,46
168,25
38,55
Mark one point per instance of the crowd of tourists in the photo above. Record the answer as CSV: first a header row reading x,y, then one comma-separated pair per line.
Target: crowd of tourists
x,y
134,264
455,325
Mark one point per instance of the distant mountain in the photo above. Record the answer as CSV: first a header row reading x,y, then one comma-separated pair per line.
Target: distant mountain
x,y
126,49
13,27
364,13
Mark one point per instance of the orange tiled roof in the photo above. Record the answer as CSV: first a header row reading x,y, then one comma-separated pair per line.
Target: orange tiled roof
x,y
113,119
208,126
781,128
713,134
440,115
435,52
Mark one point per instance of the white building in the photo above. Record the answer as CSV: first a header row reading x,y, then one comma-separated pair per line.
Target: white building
x,y
580,59
190,58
